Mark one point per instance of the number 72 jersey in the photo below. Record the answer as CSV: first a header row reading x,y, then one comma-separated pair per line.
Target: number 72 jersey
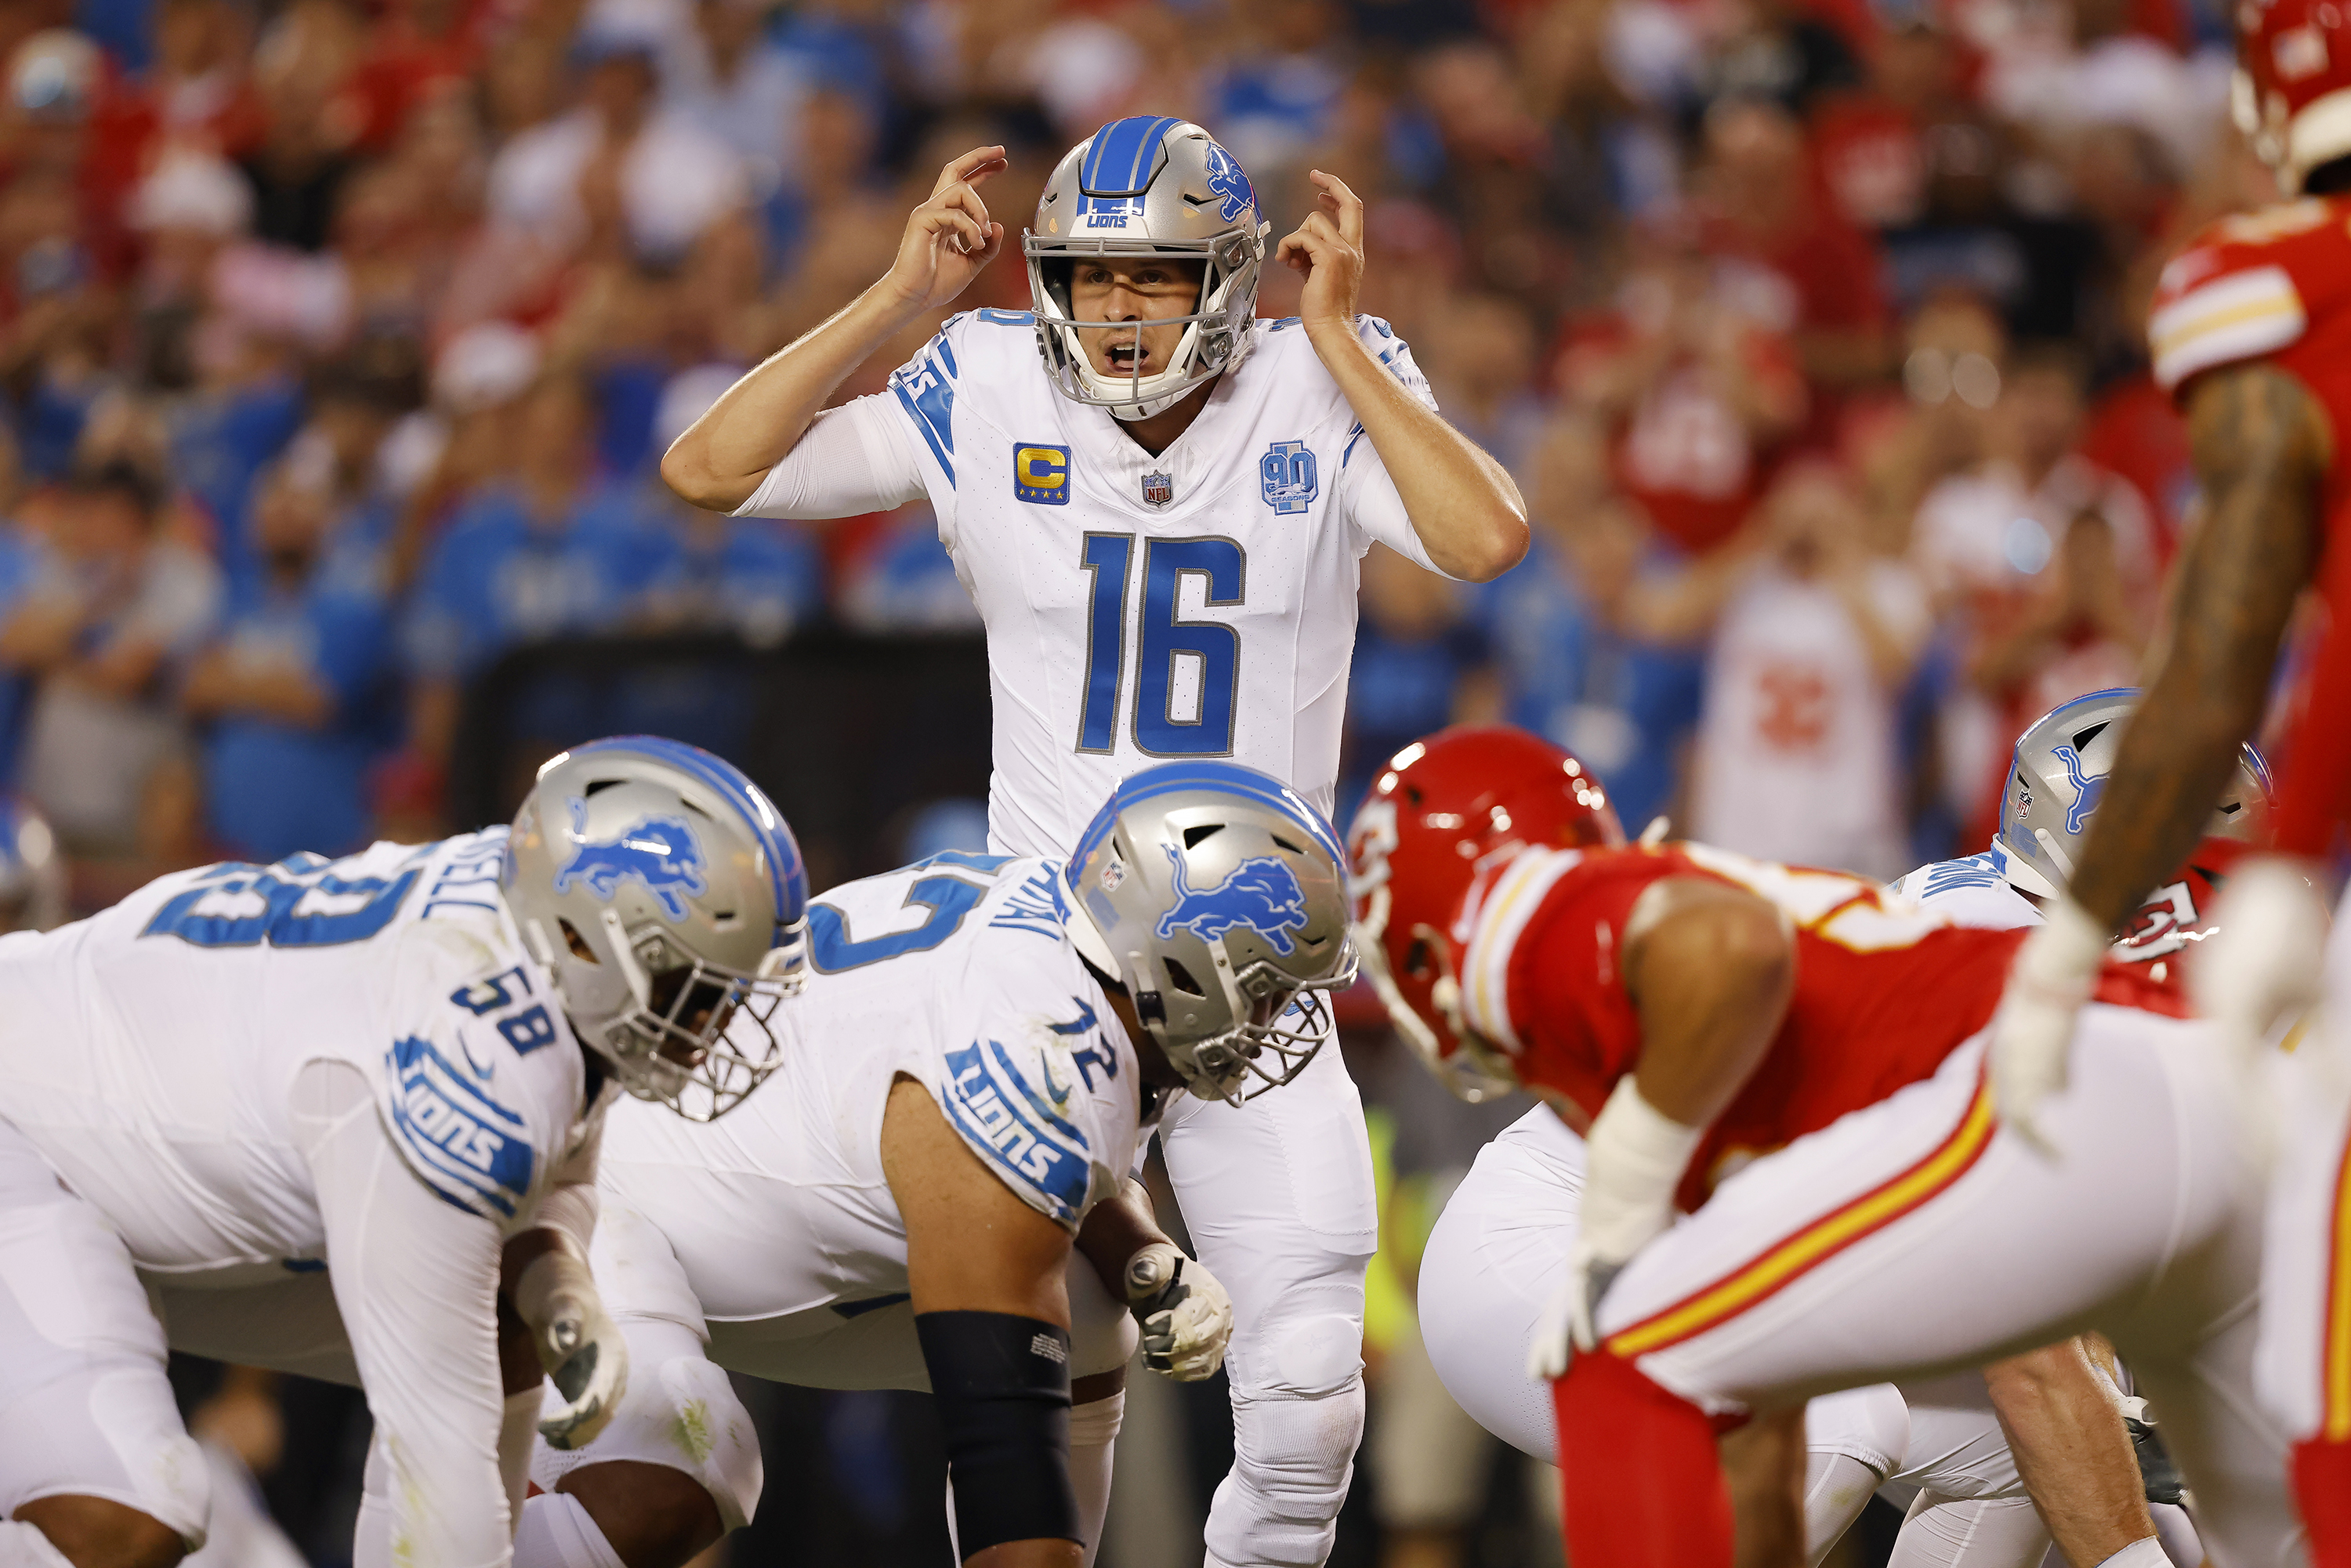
x,y
1198,602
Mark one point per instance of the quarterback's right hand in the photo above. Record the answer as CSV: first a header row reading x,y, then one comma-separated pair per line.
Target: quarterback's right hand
x,y
579,1345
950,236
1187,1317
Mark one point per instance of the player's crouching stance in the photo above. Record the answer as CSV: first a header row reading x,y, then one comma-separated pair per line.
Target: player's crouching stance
x,y
983,1045
306,1107
1695,1010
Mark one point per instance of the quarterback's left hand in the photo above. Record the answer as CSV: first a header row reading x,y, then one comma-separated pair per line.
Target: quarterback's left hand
x,y
2033,1029
579,1345
1187,1317
1327,250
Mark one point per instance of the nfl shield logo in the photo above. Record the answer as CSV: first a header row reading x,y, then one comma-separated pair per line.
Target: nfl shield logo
x,y
1158,489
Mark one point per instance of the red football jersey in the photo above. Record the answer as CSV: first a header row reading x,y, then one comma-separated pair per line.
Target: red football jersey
x,y
1884,990
2276,285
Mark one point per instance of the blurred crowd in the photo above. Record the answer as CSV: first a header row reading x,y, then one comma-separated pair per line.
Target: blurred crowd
x,y
339,340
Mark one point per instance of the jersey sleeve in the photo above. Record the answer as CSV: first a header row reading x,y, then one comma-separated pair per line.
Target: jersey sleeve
x,y
416,1283
1970,892
1540,974
2228,298
481,1081
854,459
1368,492
1046,1099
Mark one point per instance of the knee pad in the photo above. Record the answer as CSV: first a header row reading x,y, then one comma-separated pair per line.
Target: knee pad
x,y
1102,1335
1310,1358
1870,1423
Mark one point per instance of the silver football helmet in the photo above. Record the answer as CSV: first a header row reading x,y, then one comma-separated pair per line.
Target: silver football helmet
x,y
1147,186
665,893
2059,776
1219,898
31,869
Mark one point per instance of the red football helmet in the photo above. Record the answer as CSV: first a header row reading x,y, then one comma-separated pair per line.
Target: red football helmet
x,y
1448,808
2292,88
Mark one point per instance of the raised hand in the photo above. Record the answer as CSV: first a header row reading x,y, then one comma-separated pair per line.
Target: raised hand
x,y
950,236
1327,250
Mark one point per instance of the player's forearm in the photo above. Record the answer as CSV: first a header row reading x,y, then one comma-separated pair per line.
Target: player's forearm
x,y
721,458
1114,1230
1463,503
2260,448
2072,1450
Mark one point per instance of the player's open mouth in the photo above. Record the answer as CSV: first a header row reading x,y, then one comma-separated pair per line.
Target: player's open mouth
x,y
1127,359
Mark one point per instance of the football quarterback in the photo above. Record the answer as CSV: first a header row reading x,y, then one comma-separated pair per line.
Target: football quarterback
x,y
1158,503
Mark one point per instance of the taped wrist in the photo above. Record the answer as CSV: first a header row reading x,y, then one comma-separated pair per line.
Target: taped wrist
x,y
1633,1162
1001,1385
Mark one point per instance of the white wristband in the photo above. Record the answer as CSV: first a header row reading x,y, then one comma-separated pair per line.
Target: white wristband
x,y
2060,961
1633,1161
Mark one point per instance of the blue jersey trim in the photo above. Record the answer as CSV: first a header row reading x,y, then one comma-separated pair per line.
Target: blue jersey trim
x,y
1016,1147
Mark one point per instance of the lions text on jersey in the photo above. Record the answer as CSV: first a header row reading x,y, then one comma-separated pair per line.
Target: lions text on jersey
x,y
1200,603
301,1103
955,972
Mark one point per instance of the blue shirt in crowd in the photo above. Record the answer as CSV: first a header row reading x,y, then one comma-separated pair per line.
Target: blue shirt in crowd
x,y
497,579
273,788
750,577
1622,706
1399,689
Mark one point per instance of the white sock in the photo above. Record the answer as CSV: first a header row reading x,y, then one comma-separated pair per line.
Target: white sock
x,y
2146,1553
23,1546
1093,1437
557,1533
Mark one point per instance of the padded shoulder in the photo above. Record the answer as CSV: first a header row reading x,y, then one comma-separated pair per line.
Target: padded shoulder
x,y
2246,288
476,1100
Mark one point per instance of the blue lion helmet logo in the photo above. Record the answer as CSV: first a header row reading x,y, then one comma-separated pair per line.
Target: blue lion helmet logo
x,y
1262,893
1226,179
661,852
2088,791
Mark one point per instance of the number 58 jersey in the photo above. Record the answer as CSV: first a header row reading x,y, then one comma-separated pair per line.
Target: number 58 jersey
x,y
1198,602
150,1052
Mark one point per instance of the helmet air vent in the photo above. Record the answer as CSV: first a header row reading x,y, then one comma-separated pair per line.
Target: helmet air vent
x,y
1194,837
1181,978
595,785
2081,737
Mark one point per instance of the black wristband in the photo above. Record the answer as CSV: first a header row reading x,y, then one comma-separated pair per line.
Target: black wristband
x,y
1002,1386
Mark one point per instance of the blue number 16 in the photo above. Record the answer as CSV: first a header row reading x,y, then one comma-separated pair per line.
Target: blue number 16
x,y
1162,636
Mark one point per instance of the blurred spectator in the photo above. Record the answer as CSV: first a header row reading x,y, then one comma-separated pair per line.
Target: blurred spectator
x,y
290,686
114,615
618,175
20,562
1985,535
898,577
1813,640
1482,373
752,578
302,157
1696,395
550,551
1786,259
1272,105
1568,671
1419,666
734,83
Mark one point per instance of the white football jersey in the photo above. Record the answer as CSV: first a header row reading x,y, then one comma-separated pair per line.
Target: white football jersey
x,y
1198,603
955,971
150,1050
1972,891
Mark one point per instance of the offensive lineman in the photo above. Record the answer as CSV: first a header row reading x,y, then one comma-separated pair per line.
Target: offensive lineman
x,y
983,1045
1160,524
1796,1060
2248,331
310,1106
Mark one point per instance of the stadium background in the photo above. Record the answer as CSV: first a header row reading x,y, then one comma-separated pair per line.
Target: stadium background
x,y
338,339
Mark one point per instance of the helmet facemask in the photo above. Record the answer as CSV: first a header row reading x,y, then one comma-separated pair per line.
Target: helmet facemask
x,y
1215,330
685,1032
1220,1066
